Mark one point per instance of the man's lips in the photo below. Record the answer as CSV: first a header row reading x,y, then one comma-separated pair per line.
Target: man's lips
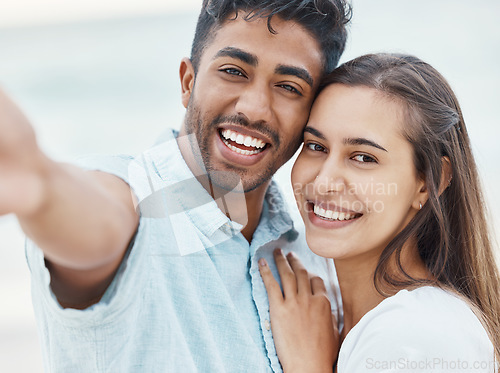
x,y
244,150
248,145
243,141
246,132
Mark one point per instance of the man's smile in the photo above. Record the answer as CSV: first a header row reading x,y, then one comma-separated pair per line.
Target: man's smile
x,y
242,144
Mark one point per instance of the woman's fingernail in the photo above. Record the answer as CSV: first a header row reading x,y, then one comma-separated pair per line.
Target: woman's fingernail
x,y
279,251
290,254
262,262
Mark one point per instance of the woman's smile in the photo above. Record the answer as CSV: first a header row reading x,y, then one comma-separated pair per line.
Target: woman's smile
x,y
330,216
355,181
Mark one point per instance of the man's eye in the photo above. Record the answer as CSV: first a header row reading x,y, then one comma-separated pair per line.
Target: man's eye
x,y
233,71
290,88
363,158
315,147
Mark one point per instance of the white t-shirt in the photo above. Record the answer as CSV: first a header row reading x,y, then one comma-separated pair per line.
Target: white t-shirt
x,y
423,330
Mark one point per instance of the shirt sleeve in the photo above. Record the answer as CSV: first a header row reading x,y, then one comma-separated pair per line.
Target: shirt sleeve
x,y
127,283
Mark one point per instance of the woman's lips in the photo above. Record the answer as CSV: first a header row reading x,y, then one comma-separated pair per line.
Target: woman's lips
x,y
322,216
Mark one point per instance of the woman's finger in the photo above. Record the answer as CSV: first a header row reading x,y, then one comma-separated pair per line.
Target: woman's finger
x,y
301,274
272,287
288,280
318,286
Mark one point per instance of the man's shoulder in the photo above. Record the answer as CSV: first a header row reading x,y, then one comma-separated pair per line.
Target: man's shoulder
x,y
109,163
120,164
282,208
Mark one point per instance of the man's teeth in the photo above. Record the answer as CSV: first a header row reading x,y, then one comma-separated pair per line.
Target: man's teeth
x,y
243,140
333,215
241,151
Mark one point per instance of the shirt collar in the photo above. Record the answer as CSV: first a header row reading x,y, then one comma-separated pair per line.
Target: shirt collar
x,y
188,193
275,220
199,205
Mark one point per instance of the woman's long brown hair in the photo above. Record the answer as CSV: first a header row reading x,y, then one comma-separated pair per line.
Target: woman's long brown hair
x,y
451,229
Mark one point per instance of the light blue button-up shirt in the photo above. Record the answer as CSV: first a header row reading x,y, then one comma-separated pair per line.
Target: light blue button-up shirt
x,y
188,296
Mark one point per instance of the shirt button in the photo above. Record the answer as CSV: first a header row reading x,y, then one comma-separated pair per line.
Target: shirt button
x,y
228,229
267,324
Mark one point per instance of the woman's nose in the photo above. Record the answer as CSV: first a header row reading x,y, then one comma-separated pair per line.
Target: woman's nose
x,y
329,182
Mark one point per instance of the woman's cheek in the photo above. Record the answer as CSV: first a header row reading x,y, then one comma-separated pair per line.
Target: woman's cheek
x,y
300,174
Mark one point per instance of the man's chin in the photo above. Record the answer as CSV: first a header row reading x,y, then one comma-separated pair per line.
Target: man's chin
x,y
226,180
237,180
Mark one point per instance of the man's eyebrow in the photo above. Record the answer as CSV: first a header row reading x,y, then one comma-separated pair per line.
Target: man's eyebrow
x,y
313,131
363,141
239,54
295,71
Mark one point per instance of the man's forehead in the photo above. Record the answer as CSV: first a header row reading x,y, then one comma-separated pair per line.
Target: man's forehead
x,y
286,38
273,25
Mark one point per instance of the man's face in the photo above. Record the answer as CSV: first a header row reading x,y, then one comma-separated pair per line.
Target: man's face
x,y
250,99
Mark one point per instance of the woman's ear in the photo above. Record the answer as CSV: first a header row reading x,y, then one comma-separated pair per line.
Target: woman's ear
x,y
186,73
446,174
422,194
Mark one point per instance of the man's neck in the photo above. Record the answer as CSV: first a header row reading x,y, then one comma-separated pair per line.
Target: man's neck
x,y
255,203
252,203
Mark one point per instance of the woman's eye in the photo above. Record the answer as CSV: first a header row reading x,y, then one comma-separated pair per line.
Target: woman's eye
x,y
315,147
363,158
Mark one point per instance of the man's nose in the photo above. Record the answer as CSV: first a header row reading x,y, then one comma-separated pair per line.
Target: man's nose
x,y
255,103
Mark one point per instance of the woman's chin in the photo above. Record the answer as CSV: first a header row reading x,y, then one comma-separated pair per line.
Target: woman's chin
x,y
325,247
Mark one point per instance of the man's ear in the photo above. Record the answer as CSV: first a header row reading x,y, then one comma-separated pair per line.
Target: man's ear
x,y
446,174
186,73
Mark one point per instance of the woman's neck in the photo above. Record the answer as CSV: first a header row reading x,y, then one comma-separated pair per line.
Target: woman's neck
x,y
357,289
359,294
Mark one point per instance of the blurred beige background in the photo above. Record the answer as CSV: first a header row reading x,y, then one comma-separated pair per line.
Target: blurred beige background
x,y
101,76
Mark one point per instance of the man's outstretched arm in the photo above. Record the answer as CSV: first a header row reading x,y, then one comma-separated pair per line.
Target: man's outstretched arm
x,y
83,221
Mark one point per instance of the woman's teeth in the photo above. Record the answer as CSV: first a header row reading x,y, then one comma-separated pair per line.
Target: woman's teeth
x,y
238,138
333,215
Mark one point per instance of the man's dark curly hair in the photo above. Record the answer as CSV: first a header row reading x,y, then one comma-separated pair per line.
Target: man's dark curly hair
x,y
326,20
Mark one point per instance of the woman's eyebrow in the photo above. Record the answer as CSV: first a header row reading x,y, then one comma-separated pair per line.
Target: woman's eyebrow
x,y
362,141
313,131
347,141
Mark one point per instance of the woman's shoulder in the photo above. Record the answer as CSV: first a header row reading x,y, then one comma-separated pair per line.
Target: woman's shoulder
x,y
425,308
424,324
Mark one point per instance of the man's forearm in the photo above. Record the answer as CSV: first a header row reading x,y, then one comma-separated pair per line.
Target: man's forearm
x,y
83,221
79,222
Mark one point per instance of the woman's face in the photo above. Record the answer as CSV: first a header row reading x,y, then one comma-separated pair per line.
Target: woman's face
x,y
355,181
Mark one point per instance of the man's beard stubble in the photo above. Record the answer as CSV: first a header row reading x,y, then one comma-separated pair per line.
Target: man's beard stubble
x,y
228,177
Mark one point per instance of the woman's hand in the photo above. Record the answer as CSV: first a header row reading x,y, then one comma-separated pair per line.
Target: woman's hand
x,y
304,330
